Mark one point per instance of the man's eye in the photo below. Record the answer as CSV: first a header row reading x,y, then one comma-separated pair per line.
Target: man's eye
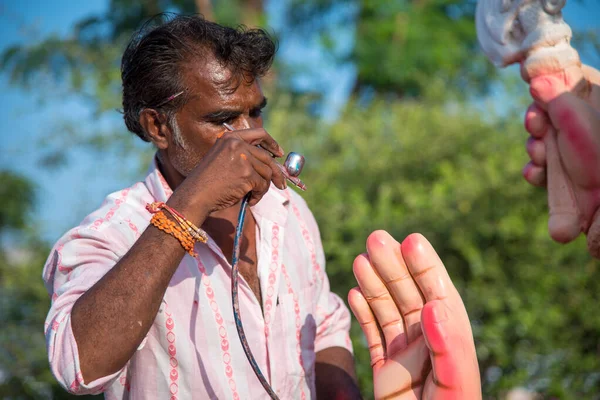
x,y
223,121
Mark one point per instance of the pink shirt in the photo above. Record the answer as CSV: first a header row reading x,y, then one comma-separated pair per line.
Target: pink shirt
x,y
192,350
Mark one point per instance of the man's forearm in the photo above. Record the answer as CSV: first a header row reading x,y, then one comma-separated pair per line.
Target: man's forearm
x,y
335,374
111,319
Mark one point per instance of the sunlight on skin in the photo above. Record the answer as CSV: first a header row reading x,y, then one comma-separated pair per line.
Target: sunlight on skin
x,y
415,322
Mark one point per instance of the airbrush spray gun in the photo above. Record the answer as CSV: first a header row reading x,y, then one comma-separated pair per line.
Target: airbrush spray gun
x,y
291,169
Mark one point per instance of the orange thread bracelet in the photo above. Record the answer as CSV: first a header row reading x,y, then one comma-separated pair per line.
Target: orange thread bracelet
x,y
163,223
197,233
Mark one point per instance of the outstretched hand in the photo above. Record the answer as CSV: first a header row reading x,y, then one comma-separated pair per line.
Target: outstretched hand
x,y
415,322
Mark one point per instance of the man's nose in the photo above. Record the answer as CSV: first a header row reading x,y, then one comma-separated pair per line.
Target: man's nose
x,y
245,122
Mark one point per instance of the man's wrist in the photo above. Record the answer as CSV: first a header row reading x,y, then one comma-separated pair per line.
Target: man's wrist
x,y
335,375
194,207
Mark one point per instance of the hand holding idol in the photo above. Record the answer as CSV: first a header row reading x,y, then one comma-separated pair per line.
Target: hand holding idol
x,y
564,119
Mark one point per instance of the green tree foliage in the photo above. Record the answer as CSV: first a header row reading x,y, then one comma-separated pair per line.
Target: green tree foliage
x,y
24,302
18,196
401,45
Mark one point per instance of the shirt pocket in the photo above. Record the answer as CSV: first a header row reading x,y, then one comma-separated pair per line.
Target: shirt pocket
x,y
297,309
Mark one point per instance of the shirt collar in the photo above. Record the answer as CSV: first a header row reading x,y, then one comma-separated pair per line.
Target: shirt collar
x,y
156,182
273,205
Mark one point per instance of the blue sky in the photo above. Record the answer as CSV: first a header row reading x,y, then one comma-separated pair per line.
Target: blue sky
x,y
66,195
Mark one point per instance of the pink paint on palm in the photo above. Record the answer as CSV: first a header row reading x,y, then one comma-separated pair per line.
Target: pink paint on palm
x,y
534,34
192,350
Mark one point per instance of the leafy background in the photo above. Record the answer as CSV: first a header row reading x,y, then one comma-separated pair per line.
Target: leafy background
x,y
405,126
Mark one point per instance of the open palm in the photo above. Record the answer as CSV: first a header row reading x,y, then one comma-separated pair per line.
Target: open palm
x,y
415,322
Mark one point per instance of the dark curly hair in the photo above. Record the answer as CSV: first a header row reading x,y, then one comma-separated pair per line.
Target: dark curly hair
x,y
150,68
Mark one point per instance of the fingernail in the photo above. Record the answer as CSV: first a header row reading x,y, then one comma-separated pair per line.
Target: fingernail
x,y
381,237
438,313
281,152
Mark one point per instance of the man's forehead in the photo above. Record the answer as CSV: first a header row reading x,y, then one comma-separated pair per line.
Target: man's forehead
x,y
212,87
208,76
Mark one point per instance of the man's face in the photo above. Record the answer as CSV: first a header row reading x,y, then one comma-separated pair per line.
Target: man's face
x,y
211,103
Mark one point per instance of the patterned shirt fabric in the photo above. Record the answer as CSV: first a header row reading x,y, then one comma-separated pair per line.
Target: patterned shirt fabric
x,y
192,350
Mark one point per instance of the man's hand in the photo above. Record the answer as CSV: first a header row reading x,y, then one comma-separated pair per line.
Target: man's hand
x,y
232,167
577,120
415,322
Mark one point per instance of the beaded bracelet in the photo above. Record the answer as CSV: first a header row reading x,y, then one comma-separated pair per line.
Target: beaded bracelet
x,y
163,223
197,233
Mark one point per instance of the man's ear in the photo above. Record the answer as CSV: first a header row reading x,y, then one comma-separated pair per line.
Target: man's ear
x,y
155,126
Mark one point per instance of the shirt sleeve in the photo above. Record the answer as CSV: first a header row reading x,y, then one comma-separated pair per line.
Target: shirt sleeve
x,y
75,264
332,315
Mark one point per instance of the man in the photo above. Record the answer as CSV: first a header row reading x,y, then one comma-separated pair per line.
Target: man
x,y
133,315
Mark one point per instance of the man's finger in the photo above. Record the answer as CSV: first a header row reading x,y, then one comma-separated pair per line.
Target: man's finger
x,y
260,188
259,136
361,310
381,302
578,138
265,158
386,257
258,165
